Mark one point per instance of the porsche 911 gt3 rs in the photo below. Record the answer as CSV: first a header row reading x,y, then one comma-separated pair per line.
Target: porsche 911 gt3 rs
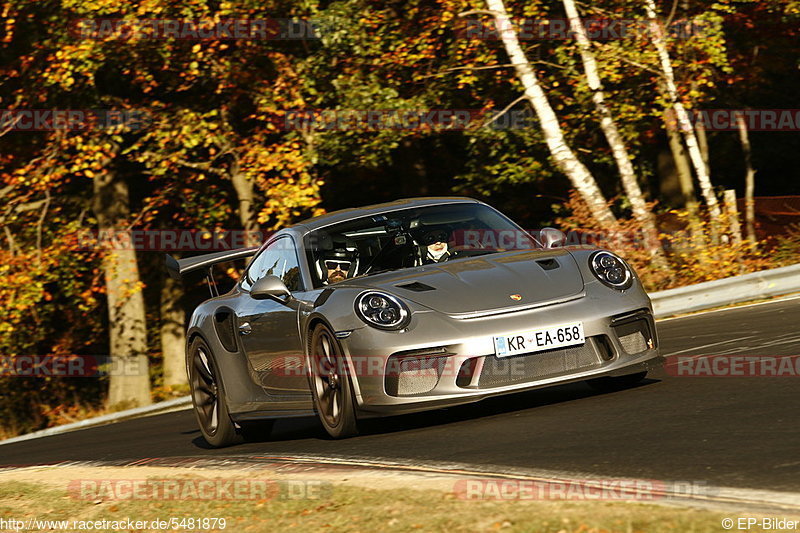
x,y
407,306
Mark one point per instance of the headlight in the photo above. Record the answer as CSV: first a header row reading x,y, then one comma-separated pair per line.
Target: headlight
x,y
611,270
382,310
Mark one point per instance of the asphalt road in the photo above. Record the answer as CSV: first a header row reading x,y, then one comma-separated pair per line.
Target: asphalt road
x,y
730,431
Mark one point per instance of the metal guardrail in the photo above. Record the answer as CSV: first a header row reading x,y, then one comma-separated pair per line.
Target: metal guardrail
x,y
728,291
698,297
184,402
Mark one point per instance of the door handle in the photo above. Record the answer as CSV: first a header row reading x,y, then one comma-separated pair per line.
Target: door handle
x,y
245,329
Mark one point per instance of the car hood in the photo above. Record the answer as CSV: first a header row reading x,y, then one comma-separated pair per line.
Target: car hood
x,y
489,283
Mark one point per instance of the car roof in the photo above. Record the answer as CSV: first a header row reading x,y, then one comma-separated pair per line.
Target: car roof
x,y
376,209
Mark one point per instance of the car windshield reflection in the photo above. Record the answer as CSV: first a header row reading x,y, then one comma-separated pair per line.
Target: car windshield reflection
x,y
410,238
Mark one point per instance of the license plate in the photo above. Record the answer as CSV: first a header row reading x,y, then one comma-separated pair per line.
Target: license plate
x,y
539,340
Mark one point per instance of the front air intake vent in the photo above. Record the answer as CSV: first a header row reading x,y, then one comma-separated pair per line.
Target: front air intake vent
x,y
635,336
409,376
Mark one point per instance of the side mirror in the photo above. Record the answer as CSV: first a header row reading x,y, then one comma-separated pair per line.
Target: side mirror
x,y
552,238
269,287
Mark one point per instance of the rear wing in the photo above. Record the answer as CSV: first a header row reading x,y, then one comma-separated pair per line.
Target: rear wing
x,y
178,267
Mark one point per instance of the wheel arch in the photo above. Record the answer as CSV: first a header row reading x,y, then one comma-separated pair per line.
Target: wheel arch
x,y
311,322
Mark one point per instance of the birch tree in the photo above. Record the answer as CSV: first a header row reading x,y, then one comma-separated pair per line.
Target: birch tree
x,y
613,136
657,37
563,156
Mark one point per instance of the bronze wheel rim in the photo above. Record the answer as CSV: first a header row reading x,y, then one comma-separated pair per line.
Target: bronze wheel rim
x,y
327,378
205,391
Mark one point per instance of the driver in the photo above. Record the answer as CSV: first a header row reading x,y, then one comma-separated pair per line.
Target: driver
x,y
336,266
436,245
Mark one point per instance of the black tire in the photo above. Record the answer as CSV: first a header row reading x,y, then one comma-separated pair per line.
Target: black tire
x,y
616,383
208,397
330,385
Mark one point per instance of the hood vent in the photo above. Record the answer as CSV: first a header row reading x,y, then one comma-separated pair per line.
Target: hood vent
x,y
416,287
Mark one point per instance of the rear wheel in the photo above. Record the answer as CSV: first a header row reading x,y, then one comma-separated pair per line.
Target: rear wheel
x,y
208,397
616,383
330,384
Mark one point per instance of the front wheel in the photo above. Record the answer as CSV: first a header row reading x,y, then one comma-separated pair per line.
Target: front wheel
x,y
330,384
616,383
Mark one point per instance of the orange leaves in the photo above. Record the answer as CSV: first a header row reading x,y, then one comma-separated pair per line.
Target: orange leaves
x,y
283,173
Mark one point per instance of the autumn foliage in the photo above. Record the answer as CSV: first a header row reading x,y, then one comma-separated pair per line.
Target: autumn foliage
x,y
210,150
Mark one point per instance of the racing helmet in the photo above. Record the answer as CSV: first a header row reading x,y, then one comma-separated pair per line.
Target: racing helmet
x,y
345,259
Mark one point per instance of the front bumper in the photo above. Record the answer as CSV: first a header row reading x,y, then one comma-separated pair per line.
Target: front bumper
x,y
435,364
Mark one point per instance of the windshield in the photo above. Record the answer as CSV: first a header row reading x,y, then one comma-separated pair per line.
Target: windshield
x,y
409,238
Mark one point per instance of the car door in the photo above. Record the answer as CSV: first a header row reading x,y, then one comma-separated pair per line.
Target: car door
x,y
268,329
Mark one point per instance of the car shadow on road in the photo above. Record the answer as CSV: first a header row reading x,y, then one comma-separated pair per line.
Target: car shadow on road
x,y
295,429
497,406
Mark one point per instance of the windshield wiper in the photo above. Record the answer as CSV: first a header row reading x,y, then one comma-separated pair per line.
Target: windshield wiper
x,y
381,271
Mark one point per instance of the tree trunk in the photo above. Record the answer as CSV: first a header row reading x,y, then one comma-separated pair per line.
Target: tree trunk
x,y
129,382
702,140
750,180
684,122
682,167
173,333
733,216
563,156
684,171
245,197
614,138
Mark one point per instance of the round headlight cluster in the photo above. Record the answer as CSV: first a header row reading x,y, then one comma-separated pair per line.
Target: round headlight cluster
x,y
611,270
382,310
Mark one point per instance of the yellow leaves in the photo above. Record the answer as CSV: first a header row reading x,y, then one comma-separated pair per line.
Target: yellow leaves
x,y
692,254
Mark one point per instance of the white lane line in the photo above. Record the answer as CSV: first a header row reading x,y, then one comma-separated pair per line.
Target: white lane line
x,y
777,343
769,302
694,348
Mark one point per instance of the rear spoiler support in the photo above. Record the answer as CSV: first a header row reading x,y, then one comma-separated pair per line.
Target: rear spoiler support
x,y
212,284
178,267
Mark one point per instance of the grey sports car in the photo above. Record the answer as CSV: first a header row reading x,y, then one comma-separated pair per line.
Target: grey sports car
x,y
407,306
